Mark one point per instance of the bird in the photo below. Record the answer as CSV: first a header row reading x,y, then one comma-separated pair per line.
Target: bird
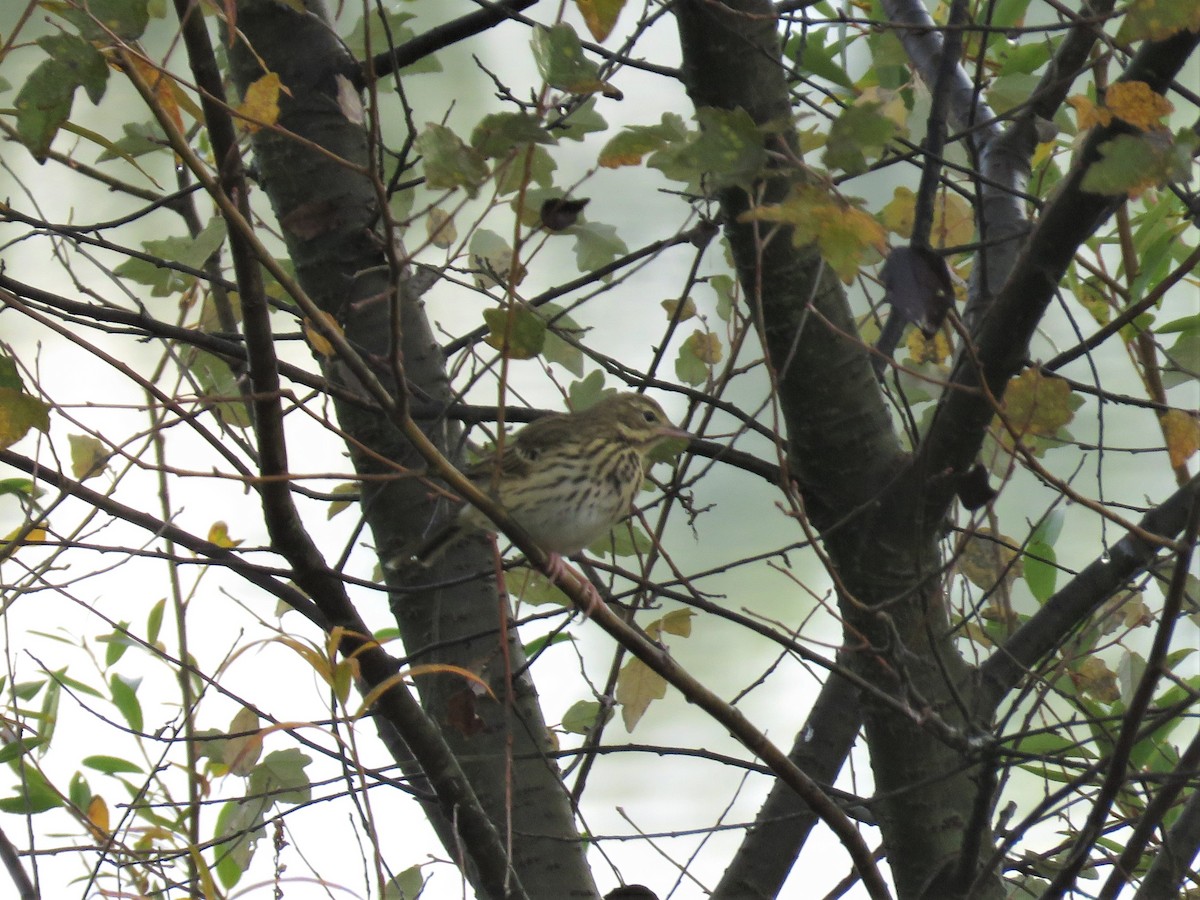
x,y
566,478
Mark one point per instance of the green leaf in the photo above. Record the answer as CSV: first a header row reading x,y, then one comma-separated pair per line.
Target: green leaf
x,y
630,145
582,716
140,138
1132,163
111,765
556,349
35,795
537,645
535,161
398,32
582,121
560,60
588,390
79,792
626,539
499,134
405,886
281,774
19,747
238,828
727,151
1156,20
448,162
517,332
18,487
81,60
724,286
811,54
1041,573
154,621
220,387
534,588
689,368
596,245
1183,360
859,133
127,19
124,697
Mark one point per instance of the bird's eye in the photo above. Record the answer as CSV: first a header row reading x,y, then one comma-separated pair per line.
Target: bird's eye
x,y
649,416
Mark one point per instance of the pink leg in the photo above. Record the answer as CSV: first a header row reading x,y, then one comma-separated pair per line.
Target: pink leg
x,y
556,567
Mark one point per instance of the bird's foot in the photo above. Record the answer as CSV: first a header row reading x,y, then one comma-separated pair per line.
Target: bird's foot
x,y
557,567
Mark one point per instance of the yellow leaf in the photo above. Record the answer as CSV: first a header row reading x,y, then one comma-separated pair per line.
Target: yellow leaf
x,y
897,216
97,814
88,456
1036,404
440,227
260,106
36,535
1138,104
689,309
1095,678
218,534
953,221
1087,113
18,413
922,350
637,687
316,339
706,346
678,622
1182,431
241,751
162,86
600,15
984,560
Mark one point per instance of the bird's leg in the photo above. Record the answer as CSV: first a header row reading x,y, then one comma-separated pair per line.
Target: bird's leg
x,y
556,567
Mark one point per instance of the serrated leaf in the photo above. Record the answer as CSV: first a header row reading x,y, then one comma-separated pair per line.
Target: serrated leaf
x,y
630,145
1138,104
625,540
813,56
260,104
561,62
1156,20
281,774
127,19
596,245
517,332
847,236
1130,164
448,162
499,134
582,121
727,151
396,31
860,133
588,390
